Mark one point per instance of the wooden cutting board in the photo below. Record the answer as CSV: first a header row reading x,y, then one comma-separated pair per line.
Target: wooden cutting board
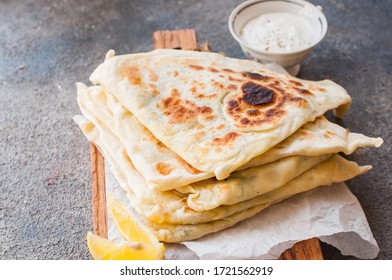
x,y
173,39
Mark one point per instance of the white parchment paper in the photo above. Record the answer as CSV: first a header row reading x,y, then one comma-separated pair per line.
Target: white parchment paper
x,y
331,213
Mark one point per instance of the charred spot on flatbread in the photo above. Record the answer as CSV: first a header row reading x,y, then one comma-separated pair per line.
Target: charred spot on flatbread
x,y
163,168
181,111
254,76
132,74
196,67
255,94
303,91
262,100
226,139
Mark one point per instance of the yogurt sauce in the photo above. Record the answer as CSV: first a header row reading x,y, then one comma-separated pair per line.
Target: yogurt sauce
x,y
279,32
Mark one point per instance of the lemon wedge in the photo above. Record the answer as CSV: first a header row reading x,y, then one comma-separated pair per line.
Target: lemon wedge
x,y
103,249
127,224
140,244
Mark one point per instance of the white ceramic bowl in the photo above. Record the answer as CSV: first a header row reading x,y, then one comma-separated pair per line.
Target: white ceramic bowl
x,y
251,9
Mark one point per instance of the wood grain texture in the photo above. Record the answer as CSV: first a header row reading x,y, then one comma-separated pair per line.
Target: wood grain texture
x,y
98,191
305,250
175,39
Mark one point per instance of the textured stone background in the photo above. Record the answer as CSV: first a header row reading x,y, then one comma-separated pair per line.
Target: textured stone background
x,y
47,46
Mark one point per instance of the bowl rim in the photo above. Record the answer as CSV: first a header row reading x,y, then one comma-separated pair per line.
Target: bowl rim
x,y
248,3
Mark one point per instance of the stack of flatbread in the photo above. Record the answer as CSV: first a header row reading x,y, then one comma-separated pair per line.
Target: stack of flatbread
x,y
200,141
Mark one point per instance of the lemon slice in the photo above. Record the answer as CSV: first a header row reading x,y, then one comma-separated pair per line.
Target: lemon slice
x,y
128,224
141,243
103,249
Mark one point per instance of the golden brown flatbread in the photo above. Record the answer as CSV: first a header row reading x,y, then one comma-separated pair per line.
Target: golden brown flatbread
x,y
163,170
217,113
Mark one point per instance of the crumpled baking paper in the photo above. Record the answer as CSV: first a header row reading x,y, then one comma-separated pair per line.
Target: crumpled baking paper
x,y
331,213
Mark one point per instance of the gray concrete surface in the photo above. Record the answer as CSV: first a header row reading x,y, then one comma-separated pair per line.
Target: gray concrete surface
x,y
47,46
